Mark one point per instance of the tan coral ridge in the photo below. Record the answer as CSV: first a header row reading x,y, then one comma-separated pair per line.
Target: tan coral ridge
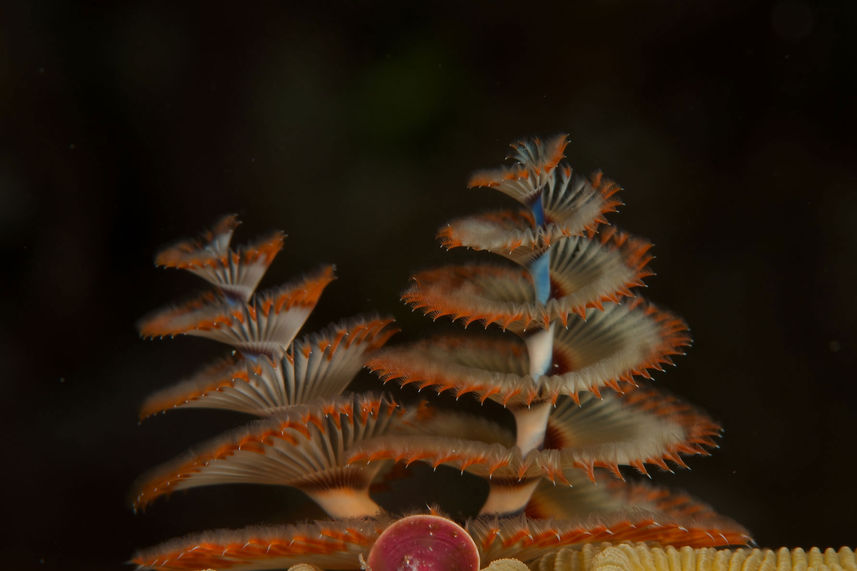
x,y
642,557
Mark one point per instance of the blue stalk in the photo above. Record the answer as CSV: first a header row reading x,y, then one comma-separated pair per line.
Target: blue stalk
x,y
531,420
539,270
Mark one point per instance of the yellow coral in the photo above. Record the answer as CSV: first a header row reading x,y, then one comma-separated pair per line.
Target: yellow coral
x,y
641,557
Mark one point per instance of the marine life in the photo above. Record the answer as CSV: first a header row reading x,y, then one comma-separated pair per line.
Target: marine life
x,y
574,328
571,343
424,542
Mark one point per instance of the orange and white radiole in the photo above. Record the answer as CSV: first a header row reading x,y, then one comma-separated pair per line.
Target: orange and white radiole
x,y
574,347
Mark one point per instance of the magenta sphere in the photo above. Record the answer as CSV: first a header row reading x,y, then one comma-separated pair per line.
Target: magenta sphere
x,y
424,543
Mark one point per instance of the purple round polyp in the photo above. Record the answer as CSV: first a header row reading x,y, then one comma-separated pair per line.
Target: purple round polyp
x,y
424,543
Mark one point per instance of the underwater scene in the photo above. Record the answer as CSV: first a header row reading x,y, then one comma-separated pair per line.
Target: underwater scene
x,y
430,286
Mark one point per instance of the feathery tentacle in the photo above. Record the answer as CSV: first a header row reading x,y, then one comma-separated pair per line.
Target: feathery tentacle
x,y
317,366
328,544
304,447
265,325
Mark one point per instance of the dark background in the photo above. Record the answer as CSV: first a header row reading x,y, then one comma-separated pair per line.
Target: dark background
x,y
353,127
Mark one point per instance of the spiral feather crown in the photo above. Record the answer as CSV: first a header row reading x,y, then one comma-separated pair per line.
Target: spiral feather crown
x,y
575,348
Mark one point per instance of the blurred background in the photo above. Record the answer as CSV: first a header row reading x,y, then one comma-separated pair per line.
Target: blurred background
x,y
353,126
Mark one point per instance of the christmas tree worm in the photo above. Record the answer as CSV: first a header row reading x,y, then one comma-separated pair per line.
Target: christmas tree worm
x,y
578,343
